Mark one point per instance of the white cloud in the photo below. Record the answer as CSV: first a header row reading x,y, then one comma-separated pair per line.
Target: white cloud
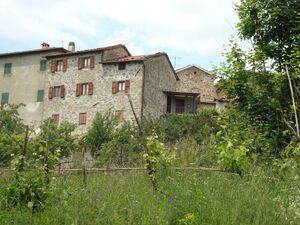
x,y
192,26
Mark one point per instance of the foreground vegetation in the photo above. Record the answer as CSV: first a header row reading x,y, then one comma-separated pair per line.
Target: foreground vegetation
x,y
184,197
255,142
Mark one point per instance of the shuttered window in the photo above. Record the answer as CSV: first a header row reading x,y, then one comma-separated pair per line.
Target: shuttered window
x,y
84,89
40,96
43,65
4,98
55,118
120,86
59,65
86,62
82,118
57,91
7,68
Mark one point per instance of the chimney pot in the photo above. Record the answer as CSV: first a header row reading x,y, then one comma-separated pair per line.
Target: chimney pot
x,y
45,45
71,46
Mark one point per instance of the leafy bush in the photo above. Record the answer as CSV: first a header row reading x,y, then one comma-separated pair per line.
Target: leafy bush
x,y
172,127
124,148
11,133
238,141
157,156
28,190
100,132
58,138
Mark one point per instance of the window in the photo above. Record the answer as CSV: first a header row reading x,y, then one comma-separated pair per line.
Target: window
x,y
84,89
40,96
59,65
55,118
120,86
86,62
119,115
43,65
82,118
7,68
4,98
122,66
56,92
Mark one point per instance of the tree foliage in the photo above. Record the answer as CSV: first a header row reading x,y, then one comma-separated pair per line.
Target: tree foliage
x,y
256,81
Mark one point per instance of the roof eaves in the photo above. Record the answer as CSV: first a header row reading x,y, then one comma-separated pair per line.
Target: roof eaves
x,y
34,51
93,50
192,65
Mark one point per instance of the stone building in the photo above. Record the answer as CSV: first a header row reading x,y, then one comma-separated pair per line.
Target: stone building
x,y
81,83
194,79
23,80
74,85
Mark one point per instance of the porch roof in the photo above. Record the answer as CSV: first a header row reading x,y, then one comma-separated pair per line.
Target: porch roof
x,y
175,93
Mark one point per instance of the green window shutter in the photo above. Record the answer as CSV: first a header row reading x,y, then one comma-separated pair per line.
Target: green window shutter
x,y
7,68
43,64
40,96
4,98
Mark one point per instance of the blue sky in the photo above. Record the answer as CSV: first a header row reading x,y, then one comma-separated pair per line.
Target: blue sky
x,y
193,31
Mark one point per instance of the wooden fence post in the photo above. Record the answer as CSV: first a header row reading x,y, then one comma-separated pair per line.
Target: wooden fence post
x,y
84,173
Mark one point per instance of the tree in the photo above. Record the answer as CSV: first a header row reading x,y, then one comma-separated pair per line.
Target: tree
x,y
256,81
11,133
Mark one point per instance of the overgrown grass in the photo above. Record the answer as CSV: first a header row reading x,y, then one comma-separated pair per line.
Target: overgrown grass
x,y
127,198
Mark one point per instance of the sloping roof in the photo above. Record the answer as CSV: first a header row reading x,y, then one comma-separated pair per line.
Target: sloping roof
x,y
141,58
194,94
192,65
137,58
93,50
34,51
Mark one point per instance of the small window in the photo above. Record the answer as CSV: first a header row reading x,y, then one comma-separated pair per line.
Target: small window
x,y
82,118
86,62
56,91
59,65
119,115
43,65
84,89
121,86
7,68
4,98
55,118
40,96
122,66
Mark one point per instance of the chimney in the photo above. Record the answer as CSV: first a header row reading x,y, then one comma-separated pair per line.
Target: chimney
x,y
71,46
45,45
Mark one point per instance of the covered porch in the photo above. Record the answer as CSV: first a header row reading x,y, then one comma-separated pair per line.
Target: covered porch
x,y
182,102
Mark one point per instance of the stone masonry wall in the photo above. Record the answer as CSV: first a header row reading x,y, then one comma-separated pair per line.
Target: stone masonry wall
x,y
159,77
102,99
197,81
114,54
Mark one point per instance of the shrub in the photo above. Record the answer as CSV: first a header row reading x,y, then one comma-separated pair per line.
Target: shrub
x,y
100,132
124,148
28,190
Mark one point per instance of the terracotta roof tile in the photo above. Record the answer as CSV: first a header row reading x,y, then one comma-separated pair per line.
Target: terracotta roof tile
x,y
89,51
34,51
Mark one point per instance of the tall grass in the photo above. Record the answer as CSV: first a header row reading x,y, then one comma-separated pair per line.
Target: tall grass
x,y
127,198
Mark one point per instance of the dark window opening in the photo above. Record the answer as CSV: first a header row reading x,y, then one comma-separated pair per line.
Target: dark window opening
x,y
122,66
